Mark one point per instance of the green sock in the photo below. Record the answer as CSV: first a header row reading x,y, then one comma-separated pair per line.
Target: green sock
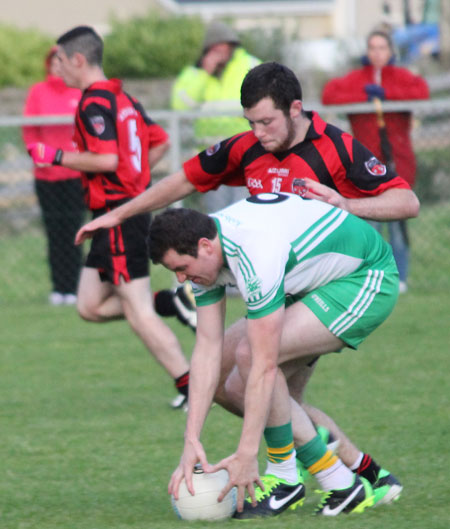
x,y
280,442
311,452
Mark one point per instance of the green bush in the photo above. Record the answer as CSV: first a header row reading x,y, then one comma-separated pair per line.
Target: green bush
x,y
157,47
147,47
152,46
22,55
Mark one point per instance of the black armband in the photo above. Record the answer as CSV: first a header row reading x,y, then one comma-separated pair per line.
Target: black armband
x,y
58,157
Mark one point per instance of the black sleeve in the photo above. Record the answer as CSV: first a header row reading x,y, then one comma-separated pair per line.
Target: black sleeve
x,y
99,121
367,172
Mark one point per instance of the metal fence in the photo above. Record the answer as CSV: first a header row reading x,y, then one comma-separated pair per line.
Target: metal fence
x,y
24,273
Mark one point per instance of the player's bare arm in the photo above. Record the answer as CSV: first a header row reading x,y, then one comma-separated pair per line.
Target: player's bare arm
x,y
90,162
168,190
45,156
260,371
204,378
392,204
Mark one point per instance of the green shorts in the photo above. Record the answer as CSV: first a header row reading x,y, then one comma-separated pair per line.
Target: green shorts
x,y
354,306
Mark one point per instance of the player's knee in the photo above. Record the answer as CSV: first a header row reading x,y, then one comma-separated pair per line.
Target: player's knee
x,y
88,311
233,390
243,357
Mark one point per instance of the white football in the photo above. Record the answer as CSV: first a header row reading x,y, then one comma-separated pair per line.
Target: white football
x,y
204,505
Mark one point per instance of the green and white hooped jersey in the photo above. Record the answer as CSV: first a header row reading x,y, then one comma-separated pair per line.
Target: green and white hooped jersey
x,y
279,245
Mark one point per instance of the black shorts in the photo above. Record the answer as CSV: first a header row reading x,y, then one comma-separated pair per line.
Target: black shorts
x,y
121,252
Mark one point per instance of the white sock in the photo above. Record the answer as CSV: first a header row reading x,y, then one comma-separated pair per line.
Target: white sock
x,y
358,461
336,477
286,470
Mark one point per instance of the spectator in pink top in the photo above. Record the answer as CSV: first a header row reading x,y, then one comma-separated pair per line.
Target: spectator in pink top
x,y
58,189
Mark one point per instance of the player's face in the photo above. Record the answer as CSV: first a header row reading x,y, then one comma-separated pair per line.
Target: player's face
x,y
203,269
67,68
275,131
378,51
55,68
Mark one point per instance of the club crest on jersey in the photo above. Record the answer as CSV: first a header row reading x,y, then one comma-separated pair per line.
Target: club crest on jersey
x,y
253,286
375,167
213,149
98,123
299,187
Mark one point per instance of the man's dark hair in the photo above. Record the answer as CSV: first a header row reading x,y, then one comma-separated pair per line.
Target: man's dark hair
x,y
273,80
179,229
84,40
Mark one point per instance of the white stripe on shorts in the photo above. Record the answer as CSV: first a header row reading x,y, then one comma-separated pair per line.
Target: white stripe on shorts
x,y
360,304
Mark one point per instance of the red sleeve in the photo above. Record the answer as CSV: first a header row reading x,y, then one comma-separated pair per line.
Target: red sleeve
x,y
220,164
347,89
366,175
157,135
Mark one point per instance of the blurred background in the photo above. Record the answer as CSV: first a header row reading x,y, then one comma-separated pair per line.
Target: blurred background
x,y
148,42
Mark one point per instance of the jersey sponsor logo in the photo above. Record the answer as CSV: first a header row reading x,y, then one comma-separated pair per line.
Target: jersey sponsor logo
x,y
254,183
253,286
213,149
280,171
320,302
126,112
375,167
98,123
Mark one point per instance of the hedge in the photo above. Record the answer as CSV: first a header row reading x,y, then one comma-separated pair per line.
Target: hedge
x,y
151,46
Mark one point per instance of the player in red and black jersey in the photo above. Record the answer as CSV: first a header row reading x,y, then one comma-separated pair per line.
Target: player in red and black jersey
x,y
117,145
290,150
326,154
109,121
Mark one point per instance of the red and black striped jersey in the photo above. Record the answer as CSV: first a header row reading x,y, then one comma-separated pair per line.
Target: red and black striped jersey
x,y
109,121
327,154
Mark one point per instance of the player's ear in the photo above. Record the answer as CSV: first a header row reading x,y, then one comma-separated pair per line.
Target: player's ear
x,y
296,108
78,59
205,245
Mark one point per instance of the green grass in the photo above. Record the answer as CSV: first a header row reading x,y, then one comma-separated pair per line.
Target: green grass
x,y
89,440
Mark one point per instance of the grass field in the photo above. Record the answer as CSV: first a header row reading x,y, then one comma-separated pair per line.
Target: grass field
x,y
88,440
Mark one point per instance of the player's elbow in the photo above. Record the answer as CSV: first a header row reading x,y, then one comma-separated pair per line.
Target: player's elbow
x,y
413,206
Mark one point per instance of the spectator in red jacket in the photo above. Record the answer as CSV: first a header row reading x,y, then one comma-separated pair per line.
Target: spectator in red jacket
x,y
58,189
379,79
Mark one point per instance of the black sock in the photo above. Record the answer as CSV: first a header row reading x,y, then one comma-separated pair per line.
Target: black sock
x,y
164,305
368,469
182,384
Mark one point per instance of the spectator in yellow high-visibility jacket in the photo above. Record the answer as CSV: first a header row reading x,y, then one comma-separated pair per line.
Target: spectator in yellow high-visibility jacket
x,y
214,83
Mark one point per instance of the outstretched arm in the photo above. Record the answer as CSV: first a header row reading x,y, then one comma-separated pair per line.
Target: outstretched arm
x,y
392,204
168,190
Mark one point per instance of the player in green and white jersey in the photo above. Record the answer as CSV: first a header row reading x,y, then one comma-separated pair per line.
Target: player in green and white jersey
x,y
315,279
287,251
